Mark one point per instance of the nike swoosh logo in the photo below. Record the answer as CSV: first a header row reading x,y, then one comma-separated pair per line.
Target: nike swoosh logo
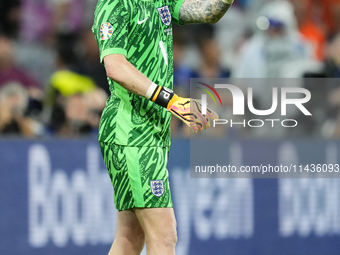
x,y
142,21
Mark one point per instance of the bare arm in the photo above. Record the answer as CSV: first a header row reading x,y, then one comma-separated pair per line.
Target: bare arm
x,y
203,11
192,11
125,74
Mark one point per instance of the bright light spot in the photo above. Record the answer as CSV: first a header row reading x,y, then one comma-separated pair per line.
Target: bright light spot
x,y
262,23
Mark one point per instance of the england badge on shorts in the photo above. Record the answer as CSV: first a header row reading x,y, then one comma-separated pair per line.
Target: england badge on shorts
x,y
165,14
157,187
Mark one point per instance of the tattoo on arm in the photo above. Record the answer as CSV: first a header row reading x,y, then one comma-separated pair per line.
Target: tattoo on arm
x,y
202,11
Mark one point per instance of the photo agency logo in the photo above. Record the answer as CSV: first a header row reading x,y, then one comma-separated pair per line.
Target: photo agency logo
x,y
239,104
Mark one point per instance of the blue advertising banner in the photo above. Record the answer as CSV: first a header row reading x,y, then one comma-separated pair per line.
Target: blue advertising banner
x,y
56,198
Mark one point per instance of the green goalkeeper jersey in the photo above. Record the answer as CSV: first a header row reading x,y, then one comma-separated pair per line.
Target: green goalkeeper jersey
x,y
142,31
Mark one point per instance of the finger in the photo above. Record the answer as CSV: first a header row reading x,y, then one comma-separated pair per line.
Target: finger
x,y
208,123
194,128
198,124
200,117
212,114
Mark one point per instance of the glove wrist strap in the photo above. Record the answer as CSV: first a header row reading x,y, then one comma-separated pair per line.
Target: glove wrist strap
x,y
162,96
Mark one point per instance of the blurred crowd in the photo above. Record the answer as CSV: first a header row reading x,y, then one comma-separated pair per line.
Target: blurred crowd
x,y
52,84
51,81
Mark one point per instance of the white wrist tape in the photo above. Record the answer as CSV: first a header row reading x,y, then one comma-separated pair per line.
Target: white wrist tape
x,y
151,90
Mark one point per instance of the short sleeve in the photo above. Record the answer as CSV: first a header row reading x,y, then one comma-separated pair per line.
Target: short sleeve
x,y
111,30
175,6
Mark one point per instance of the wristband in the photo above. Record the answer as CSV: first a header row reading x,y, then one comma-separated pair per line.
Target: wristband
x,y
151,90
162,96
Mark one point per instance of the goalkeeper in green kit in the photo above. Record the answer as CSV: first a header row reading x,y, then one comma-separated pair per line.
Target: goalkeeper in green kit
x,y
135,43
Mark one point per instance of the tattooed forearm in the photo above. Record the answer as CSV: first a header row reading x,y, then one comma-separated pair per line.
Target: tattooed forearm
x,y
203,11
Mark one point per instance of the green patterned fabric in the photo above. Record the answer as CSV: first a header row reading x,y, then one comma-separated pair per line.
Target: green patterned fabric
x,y
133,170
142,31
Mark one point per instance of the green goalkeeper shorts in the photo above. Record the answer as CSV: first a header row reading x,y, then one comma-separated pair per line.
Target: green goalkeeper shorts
x,y
138,175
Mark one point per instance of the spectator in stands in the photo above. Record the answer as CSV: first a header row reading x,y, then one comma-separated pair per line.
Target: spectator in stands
x,y
278,45
14,100
10,17
332,62
76,113
65,91
42,20
89,64
182,72
210,54
67,15
330,11
88,14
11,73
81,114
209,67
305,15
65,81
95,103
330,90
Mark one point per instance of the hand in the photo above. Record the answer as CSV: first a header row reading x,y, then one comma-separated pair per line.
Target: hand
x,y
189,111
